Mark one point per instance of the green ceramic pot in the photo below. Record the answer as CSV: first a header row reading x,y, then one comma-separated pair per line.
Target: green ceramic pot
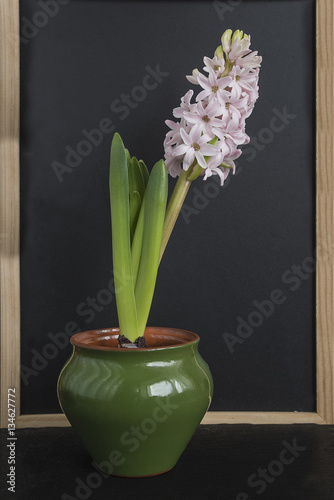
x,y
135,410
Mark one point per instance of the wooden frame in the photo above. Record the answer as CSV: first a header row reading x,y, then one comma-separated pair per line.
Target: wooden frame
x,y
10,249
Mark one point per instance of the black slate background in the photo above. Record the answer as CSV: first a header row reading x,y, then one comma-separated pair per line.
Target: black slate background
x,y
239,246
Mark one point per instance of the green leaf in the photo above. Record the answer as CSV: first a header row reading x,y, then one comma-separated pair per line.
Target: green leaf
x,y
136,193
135,204
154,216
128,156
144,172
120,218
137,243
136,181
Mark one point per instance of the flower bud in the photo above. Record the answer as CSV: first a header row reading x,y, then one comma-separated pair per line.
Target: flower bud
x,y
237,35
219,52
246,39
193,77
226,41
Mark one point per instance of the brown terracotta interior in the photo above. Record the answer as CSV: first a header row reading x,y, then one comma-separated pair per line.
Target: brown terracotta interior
x,y
156,337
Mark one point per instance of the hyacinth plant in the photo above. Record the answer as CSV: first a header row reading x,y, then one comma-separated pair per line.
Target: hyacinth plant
x,y
204,141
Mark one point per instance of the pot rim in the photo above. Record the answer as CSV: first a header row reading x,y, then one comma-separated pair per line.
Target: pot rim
x,y
90,338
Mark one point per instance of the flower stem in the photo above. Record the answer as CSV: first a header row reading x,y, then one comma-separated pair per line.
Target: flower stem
x,y
228,67
175,204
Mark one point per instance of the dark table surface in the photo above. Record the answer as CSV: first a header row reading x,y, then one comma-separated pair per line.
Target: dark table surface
x,y
226,462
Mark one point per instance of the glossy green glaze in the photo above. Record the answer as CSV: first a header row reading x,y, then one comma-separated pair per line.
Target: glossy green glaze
x,y
135,410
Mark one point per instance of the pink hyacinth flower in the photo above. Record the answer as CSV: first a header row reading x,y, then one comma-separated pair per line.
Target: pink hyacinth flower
x,y
195,147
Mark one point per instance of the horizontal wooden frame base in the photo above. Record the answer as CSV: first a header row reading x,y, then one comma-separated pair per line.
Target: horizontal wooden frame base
x,y
10,231
211,417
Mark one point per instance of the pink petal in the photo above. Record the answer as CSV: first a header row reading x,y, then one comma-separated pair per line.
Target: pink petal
x,y
200,159
188,159
185,137
208,149
181,150
195,133
205,138
204,82
203,94
221,175
191,117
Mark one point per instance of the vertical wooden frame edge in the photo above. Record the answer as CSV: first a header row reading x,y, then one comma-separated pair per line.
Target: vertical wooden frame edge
x,y
325,210
10,203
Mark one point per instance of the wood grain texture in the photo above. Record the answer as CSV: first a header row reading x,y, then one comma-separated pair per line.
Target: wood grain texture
x,y
211,417
50,420
264,417
10,286
10,202
325,210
